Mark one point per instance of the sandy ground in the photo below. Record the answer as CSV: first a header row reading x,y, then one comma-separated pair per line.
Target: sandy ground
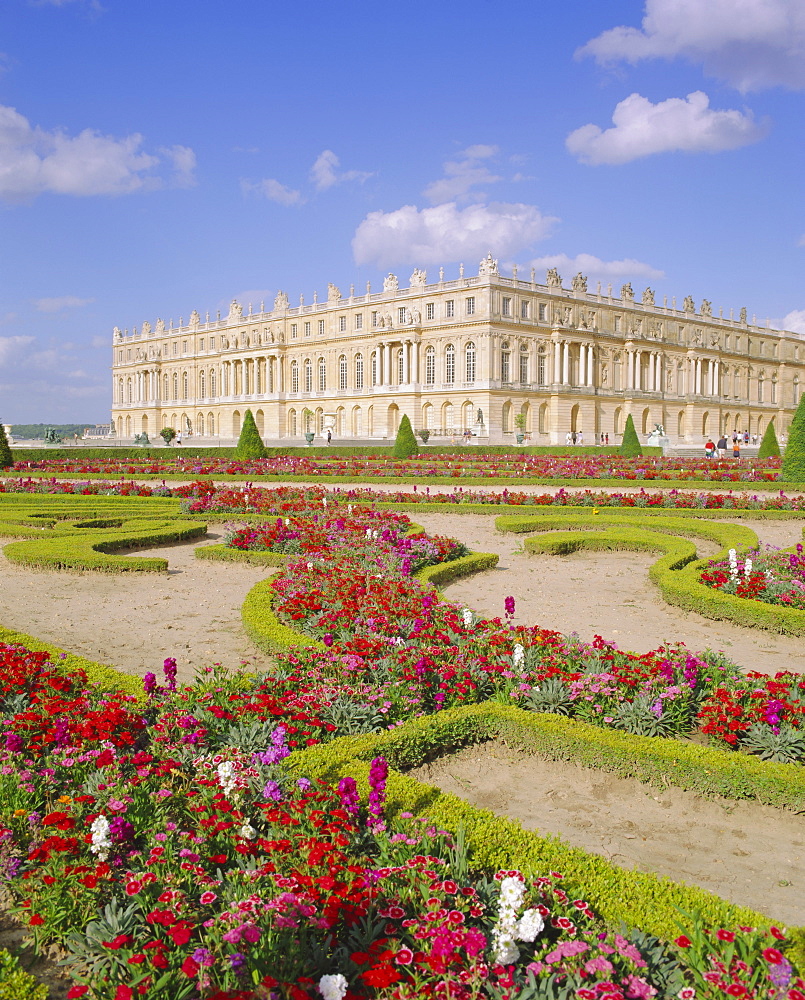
x,y
135,620
608,594
709,843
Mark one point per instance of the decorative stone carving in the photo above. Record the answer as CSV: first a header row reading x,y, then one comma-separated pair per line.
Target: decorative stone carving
x,y
195,319
160,327
416,317
707,307
418,278
627,292
333,293
235,312
648,297
552,278
567,316
117,333
715,340
146,329
743,314
390,283
488,265
697,337
281,302
688,305
557,316
604,374
579,283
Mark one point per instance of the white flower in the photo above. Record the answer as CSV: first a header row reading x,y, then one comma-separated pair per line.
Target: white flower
x,y
505,951
469,617
512,891
529,925
519,655
747,567
333,987
247,831
226,776
101,841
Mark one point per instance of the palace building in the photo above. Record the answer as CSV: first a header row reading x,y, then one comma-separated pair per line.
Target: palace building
x,y
496,355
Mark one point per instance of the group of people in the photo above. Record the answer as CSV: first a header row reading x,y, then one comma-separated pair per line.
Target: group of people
x,y
577,438
720,447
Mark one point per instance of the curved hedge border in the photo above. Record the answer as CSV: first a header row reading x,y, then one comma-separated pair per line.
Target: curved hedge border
x,y
677,573
224,554
648,901
79,549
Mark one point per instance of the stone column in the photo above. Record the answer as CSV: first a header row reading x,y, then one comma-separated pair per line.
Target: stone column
x,y
415,363
590,365
717,378
557,361
406,372
387,363
565,362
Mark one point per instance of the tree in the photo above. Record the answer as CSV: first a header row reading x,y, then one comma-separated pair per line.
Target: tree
x,y
6,458
167,434
793,470
250,444
405,443
630,446
769,448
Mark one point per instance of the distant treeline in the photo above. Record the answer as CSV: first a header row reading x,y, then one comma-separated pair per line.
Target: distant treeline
x,y
31,432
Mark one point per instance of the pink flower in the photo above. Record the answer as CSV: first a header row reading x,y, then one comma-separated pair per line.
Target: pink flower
x,y
207,897
404,956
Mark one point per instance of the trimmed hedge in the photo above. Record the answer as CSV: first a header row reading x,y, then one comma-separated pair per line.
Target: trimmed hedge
x,y
644,900
225,554
263,627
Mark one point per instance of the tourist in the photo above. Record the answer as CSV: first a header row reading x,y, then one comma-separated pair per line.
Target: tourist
x,y
329,435
746,437
607,439
568,439
580,439
573,438
722,446
709,448
736,448
179,438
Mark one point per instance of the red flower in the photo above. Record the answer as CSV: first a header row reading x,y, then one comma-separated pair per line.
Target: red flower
x,y
77,991
773,956
190,968
36,920
682,941
404,956
124,993
723,935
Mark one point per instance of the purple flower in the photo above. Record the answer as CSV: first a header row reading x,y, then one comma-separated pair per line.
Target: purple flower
x,y
150,683
169,669
272,791
61,733
14,742
348,791
303,785
237,962
327,639
378,774
509,605
203,957
120,830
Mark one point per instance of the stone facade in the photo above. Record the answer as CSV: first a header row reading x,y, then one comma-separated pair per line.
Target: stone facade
x,y
467,354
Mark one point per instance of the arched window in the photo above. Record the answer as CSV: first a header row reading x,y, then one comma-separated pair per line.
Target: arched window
x,y
506,418
128,391
505,362
175,385
212,383
342,372
449,424
450,365
202,387
469,362
358,371
294,376
200,424
308,375
400,366
165,389
430,366
523,364
542,359
322,375
120,390
374,368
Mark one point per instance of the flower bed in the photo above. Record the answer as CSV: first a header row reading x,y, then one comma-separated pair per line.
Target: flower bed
x,y
770,576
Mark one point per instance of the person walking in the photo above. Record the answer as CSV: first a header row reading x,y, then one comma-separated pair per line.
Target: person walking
x,y
179,438
329,435
736,448
722,446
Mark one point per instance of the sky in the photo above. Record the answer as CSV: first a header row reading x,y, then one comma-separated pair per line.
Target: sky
x,y
157,158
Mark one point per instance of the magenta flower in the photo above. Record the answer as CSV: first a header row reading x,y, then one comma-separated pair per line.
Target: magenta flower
x,y
169,669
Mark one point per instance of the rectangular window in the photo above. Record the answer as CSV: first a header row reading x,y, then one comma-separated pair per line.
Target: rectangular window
x,y
175,348
358,321
774,392
542,312
470,306
293,331
524,368
212,343
449,308
184,347
359,372
321,327
120,357
342,324
617,324
307,329
524,309
430,310
128,353
401,315
374,318
541,369
505,361
506,306
450,367
430,368
201,344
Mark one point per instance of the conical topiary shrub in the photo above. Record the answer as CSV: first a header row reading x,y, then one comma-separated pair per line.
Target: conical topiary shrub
x,y
630,446
405,443
793,470
6,458
250,444
769,448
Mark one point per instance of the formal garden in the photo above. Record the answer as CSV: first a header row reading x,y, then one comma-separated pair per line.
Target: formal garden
x,y
254,834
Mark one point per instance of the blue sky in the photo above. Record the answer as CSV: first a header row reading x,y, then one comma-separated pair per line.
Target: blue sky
x,y
160,158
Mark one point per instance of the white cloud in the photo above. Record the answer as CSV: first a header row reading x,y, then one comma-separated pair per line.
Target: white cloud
x,y
676,125
463,174
595,268
794,321
324,173
34,161
10,346
447,233
751,44
61,303
273,190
